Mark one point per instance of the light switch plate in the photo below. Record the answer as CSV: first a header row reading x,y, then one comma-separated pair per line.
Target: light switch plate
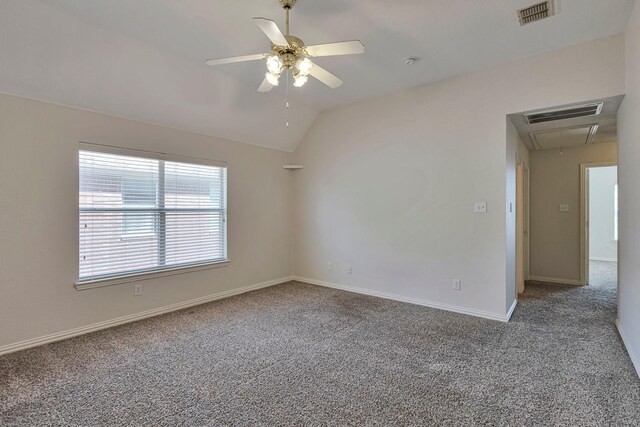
x,y
480,207
564,208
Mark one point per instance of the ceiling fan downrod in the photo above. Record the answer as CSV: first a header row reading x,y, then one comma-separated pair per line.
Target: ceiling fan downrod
x,y
287,5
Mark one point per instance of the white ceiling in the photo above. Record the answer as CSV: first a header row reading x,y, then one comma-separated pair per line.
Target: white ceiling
x,y
144,59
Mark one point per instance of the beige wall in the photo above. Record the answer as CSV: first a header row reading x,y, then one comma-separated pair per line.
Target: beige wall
x,y
389,184
555,235
388,188
39,228
629,196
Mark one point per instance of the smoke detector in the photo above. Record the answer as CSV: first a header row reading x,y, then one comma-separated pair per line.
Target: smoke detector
x,y
536,12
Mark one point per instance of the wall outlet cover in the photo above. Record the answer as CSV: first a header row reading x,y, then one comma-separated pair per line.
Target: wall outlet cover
x,y
480,207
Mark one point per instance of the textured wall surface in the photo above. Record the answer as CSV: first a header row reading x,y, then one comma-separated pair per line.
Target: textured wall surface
x,y
629,194
389,185
39,219
555,235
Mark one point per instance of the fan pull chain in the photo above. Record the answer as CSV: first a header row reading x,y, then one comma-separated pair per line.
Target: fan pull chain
x,y
286,112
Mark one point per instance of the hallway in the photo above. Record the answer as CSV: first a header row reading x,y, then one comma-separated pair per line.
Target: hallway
x,y
578,352
604,276
592,306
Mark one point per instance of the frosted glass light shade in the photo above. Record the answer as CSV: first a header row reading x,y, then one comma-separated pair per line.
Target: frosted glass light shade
x,y
273,79
274,64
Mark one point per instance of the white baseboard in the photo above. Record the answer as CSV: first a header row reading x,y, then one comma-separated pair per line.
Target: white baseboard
x,y
410,300
635,358
555,280
513,307
595,258
58,336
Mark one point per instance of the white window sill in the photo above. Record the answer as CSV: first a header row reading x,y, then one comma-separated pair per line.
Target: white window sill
x,y
136,277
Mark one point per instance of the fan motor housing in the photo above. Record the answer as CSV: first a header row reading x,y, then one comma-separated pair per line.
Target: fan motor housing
x,y
290,54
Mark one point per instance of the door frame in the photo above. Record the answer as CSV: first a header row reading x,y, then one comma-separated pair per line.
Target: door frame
x,y
520,228
584,216
522,249
527,200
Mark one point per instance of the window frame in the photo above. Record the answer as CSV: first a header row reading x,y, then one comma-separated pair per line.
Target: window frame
x,y
126,277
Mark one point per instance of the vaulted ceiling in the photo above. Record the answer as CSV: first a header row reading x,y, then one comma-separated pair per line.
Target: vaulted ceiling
x,y
144,59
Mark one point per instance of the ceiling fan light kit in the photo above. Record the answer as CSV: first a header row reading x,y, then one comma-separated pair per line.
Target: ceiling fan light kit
x,y
289,53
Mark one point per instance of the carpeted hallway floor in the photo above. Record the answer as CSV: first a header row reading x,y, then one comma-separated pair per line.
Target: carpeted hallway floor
x,y
297,354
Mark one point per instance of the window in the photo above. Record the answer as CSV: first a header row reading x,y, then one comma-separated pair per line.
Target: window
x,y
146,214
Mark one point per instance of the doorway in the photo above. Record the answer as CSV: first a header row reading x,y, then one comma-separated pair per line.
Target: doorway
x,y
599,222
550,148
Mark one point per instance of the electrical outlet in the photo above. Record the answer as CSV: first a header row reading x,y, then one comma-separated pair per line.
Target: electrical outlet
x,y
137,290
456,284
349,269
480,207
329,266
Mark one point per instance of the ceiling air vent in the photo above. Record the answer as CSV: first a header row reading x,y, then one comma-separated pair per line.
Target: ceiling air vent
x,y
566,113
536,12
574,136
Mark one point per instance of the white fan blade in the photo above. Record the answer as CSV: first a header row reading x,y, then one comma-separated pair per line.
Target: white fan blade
x,y
265,86
325,77
341,48
272,31
233,59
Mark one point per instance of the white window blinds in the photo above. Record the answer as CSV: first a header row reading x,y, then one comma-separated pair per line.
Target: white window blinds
x,y
140,214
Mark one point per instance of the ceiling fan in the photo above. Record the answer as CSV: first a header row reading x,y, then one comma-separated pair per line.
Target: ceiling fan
x,y
290,53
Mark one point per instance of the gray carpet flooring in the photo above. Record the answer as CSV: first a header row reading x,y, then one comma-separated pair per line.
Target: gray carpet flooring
x,y
297,354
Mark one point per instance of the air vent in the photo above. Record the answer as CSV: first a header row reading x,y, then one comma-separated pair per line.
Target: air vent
x,y
536,12
574,136
567,113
